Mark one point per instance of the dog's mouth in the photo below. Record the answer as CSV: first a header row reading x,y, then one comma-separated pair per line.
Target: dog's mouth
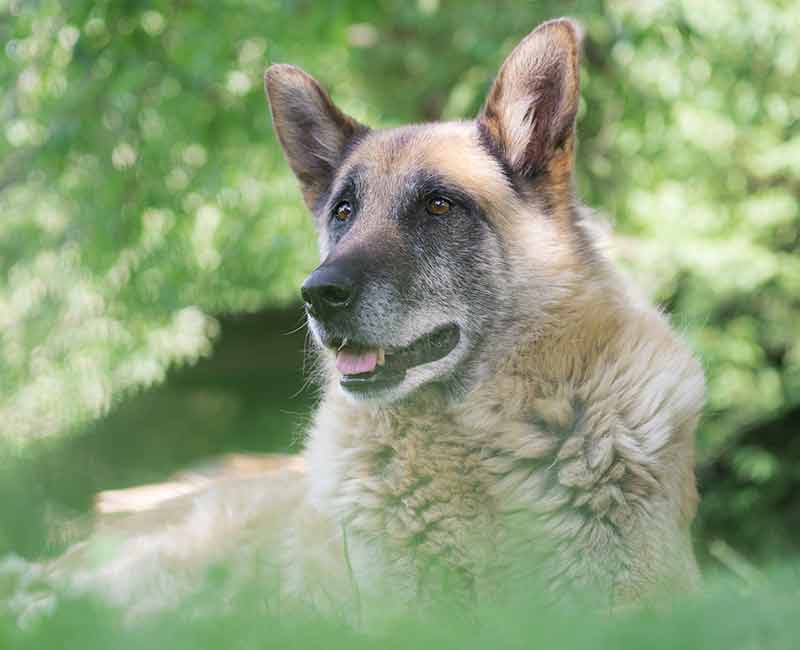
x,y
367,369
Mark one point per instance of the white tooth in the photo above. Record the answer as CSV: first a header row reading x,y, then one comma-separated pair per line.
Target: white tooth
x,y
381,356
344,342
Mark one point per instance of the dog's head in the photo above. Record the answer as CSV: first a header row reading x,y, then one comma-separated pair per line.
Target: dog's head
x,y
434,237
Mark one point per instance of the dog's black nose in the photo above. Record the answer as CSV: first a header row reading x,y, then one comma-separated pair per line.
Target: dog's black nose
x,y
327,290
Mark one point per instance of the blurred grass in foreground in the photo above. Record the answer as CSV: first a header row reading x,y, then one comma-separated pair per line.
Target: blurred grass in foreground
x,y
728,615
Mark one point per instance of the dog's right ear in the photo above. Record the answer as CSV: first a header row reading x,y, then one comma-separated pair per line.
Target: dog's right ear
x,y
313,132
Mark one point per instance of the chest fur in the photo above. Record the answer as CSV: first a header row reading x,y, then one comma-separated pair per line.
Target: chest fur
x,y
418,488
481,489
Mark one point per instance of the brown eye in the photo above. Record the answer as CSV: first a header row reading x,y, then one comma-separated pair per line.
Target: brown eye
x,y
342,211
438,206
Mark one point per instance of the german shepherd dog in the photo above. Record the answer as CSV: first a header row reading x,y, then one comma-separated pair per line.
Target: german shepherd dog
x,y
498,400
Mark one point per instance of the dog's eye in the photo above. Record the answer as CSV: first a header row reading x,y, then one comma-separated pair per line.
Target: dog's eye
x,y
438,206
342,211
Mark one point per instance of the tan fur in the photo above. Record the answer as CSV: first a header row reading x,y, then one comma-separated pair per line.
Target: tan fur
x,y
568,461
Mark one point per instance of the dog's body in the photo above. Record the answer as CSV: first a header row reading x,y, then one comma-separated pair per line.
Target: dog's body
x,y
596,470
498,401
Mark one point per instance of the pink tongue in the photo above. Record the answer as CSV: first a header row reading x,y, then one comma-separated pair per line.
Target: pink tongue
x,y
349,362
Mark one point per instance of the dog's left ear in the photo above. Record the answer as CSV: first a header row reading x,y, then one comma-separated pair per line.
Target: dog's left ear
x,y
314,133
529,114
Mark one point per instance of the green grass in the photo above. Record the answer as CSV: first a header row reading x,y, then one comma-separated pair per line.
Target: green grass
x,y
727,615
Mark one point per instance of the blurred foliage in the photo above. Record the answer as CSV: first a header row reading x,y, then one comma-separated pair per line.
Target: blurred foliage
x,y
143,194
727,616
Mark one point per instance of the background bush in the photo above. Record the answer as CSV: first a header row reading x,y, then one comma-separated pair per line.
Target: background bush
x,y
145,207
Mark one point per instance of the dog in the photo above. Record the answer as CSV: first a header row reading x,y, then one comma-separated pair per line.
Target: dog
x,y
500,405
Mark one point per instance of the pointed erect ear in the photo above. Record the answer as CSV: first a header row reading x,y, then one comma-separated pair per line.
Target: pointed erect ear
x,y
529,114
313,132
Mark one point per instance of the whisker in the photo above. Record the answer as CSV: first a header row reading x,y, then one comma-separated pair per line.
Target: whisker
x,y
308,375
303,323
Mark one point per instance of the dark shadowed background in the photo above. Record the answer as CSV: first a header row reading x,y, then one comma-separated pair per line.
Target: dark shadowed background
x,y
152,239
